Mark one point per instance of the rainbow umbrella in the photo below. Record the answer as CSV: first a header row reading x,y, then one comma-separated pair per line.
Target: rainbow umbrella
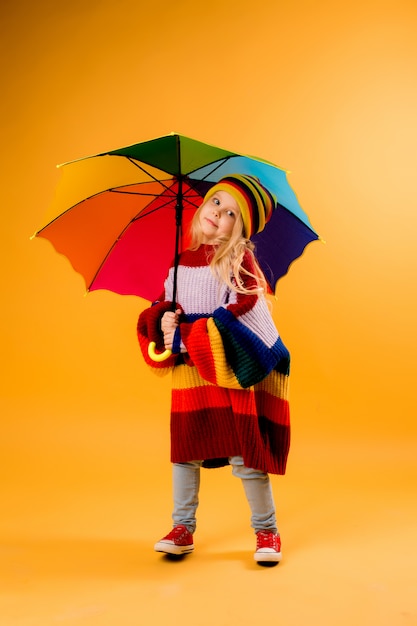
x,y
121,217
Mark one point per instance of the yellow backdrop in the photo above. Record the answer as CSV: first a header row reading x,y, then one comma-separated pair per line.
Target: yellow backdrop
x,y
324,89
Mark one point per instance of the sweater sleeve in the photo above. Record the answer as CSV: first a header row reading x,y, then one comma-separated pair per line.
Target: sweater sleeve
x,y
238,345
148,330
228,353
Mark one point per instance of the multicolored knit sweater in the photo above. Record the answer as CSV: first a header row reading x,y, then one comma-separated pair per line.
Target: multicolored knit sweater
x,y
230,370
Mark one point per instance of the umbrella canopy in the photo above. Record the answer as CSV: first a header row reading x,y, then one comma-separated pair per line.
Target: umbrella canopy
x,y
121,217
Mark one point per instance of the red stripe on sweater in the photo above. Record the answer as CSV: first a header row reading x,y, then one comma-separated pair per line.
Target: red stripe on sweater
x,y
197,258
277,409
187,400
196,340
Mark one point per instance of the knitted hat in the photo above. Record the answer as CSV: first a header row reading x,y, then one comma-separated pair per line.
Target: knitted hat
x,y
255,202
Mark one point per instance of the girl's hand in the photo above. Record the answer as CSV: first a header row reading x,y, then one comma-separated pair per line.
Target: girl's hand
x,y
169,323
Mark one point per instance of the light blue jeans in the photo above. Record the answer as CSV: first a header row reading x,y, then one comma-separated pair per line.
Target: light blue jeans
x,y
257,486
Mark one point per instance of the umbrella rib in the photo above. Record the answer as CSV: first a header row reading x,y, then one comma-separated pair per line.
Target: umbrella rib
x,y
142,193
218,164
152,197
135,193
157,180
109,251
187,194
144,212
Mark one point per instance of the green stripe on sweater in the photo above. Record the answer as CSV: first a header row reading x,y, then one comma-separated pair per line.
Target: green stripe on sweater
x,y
247,369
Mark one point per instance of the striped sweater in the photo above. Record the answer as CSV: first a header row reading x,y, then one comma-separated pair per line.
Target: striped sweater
x,y
230,370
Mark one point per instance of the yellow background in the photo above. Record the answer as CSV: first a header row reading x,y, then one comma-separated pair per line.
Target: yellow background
x,y
325,89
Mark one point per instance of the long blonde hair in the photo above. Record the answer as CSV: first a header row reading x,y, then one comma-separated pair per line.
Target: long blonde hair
x,y
227,260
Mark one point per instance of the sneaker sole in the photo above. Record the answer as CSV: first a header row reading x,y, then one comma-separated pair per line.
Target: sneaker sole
x,y
267,557
171,548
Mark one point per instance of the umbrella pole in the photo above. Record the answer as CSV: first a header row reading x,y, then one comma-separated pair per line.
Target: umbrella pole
x,y
159,357
178,223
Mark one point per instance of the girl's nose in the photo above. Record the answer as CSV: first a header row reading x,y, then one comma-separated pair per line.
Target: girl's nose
x,y
216,212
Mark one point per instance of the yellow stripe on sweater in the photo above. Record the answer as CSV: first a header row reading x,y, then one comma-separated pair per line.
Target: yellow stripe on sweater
x,y
186,377
276,384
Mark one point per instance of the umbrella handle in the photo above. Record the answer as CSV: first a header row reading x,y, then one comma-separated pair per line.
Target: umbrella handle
x,y
155,356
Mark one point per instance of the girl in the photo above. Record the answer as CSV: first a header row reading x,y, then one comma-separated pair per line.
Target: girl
x,y
230,367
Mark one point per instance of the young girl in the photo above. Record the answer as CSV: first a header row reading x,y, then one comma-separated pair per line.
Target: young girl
x,y
230,367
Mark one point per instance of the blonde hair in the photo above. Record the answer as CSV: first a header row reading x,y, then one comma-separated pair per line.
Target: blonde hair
x,y
227,260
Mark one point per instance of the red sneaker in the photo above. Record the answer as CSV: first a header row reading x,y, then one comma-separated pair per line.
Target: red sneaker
x,y
268,547
178,541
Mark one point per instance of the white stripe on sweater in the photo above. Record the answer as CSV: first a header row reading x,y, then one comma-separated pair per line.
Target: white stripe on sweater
x,y
200,293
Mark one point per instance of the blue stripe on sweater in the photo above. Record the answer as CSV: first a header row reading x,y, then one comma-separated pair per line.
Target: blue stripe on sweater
x,y
249,357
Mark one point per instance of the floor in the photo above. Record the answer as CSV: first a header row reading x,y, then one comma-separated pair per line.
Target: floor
x,y
77,534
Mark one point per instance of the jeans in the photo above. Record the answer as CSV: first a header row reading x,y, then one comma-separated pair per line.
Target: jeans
x,y
257,486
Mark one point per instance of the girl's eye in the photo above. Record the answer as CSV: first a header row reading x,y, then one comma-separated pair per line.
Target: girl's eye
x,y
216,201
230,213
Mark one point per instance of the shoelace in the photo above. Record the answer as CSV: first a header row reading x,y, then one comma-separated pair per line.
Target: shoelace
x,y
266,540
178,532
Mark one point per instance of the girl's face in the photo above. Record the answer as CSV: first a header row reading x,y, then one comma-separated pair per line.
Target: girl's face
x,y
218,216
